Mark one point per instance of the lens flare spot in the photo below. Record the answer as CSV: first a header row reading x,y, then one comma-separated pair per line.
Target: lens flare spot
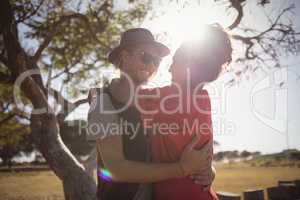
x,y
105,175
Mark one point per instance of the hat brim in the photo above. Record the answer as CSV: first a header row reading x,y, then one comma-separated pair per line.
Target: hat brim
x,y
161,49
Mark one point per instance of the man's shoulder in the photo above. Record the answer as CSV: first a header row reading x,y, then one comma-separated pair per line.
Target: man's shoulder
x,y
95,92
100,101
101,114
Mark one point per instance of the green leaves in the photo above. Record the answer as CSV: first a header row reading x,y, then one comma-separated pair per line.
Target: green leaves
x,y
80,34
14,128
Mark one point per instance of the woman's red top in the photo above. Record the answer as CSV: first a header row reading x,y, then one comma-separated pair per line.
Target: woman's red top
x,y
173,119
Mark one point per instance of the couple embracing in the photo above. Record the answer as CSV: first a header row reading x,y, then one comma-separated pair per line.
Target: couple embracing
x,y
163,146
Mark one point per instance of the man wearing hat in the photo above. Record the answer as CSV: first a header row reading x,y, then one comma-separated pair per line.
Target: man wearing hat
x,y
123,167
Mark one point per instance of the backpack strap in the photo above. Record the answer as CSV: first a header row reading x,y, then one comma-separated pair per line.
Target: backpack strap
x,y
94,92
134,149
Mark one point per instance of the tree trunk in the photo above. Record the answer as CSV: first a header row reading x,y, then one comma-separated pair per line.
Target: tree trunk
x,y
78,185
76,181
7,157
90,164
7,162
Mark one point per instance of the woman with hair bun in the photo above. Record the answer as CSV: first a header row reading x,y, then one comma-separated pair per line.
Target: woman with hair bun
x,y
184,109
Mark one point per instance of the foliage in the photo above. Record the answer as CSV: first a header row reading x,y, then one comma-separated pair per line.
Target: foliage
x,y
74,37
69,41
14,129
287,158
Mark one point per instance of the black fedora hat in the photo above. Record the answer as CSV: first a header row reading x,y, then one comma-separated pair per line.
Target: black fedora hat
x,y
137,36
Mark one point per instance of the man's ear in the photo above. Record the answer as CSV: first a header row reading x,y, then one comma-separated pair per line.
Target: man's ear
x,y
124,55
120,60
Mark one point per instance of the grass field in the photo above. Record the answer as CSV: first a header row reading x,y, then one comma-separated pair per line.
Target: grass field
x,y
236,178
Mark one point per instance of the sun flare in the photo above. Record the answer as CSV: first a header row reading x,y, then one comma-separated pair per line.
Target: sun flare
x,y
184,22
178,23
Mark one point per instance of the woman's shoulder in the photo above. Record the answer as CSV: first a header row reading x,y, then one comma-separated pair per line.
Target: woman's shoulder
x,y
201,101
202,94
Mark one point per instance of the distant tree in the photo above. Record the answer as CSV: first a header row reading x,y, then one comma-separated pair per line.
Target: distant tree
x,y
219,156
234,154
216,143
245,153
14,128
256,153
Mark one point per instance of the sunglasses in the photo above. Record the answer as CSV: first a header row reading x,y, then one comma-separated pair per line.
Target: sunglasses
x,y
148,58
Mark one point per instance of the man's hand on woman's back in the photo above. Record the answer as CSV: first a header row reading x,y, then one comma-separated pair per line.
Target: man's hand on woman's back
x,y
198,163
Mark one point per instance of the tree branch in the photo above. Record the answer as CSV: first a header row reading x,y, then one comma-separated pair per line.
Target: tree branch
x,y
67,106
5,78
27,16
268,42
57,26
7,118
237,5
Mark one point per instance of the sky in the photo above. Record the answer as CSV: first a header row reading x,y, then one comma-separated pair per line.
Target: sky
x,y
255,114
